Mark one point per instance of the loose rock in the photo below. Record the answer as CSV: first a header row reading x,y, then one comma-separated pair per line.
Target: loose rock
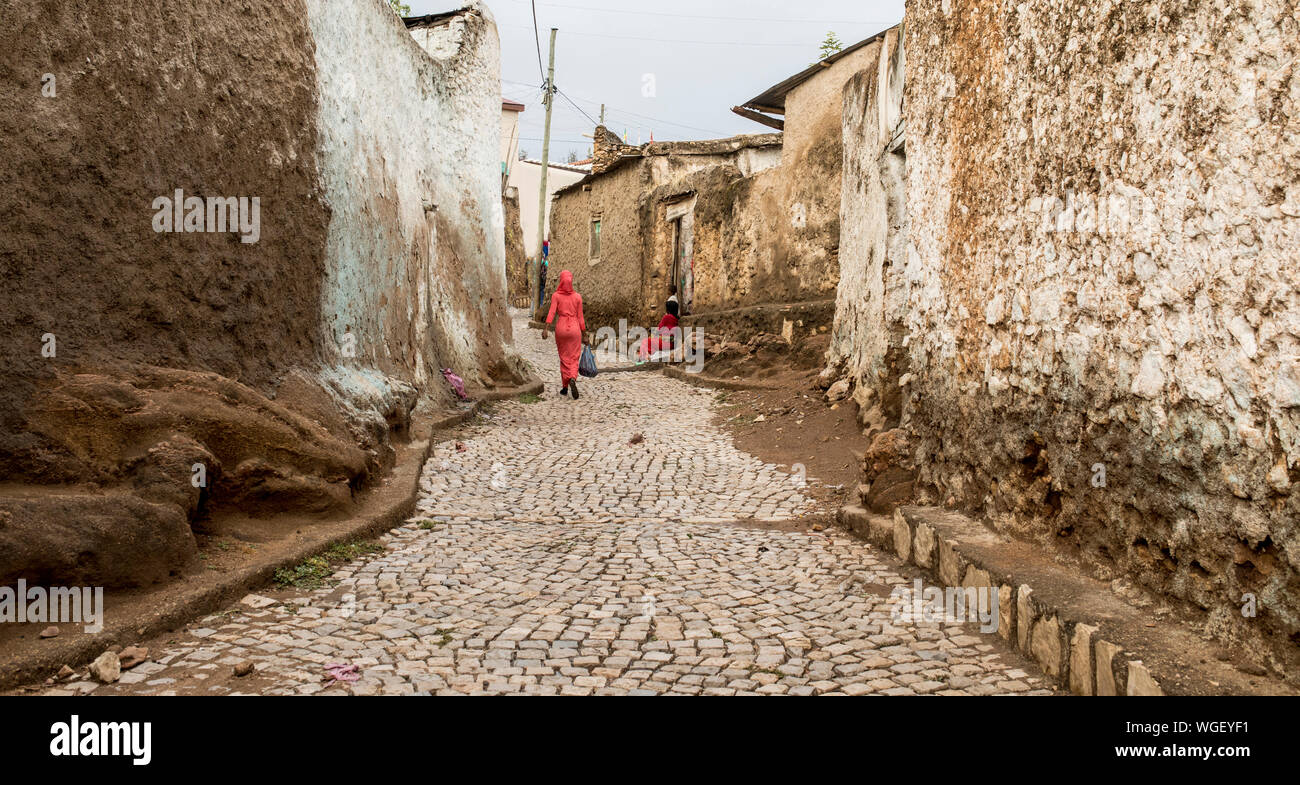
x,y
107,668
132,656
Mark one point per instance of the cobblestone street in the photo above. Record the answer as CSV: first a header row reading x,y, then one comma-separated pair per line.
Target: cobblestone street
x,y
580,547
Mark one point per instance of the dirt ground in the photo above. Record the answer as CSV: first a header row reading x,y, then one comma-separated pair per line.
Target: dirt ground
x,y
790,422
234,552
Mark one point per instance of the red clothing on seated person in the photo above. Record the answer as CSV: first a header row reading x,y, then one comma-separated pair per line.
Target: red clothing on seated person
x,y
661,339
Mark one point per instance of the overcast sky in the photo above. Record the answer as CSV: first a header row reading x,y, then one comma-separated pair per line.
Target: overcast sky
x,y
674,67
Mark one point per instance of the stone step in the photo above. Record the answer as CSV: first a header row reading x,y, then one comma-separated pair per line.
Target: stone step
x,y
1075,627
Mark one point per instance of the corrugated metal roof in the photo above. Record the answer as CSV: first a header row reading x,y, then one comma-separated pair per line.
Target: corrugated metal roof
x,y
432,19
772,100
576,166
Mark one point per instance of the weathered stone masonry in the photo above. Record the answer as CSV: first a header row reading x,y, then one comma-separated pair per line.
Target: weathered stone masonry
x,y
634,191
284,367
1104,222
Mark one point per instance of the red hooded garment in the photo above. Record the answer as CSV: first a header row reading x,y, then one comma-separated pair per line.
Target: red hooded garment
x,y
567,305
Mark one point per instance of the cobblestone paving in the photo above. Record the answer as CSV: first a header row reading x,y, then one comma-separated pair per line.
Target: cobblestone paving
x,y
551,555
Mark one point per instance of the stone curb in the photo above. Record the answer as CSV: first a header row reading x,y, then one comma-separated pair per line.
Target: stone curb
x,y
1072,654
387,507
628,368
1083,636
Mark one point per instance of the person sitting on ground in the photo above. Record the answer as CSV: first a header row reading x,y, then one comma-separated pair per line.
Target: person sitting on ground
x,y
663,335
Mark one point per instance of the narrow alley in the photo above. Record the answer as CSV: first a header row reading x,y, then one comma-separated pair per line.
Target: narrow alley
x,y
553,559
374,348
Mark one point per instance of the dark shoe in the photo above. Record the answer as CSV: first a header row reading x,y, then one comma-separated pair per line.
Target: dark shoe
x,y
574,387
564,391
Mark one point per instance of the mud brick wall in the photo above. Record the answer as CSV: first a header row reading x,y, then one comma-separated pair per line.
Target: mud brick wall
x,y
416,254
516,259
1156,336
610,284
285,366
781,226
762,233
81,260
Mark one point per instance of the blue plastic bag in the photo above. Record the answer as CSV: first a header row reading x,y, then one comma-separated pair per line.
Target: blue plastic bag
x,y
587,363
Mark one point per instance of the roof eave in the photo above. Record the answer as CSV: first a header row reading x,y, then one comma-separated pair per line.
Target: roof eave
x,y
772,100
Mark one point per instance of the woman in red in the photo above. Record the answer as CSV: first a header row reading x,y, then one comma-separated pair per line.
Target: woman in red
x,y
567,304
663,336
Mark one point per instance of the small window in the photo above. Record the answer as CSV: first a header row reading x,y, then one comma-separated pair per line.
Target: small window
x,y
594,243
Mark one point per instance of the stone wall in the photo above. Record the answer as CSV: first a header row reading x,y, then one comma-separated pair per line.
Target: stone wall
x,y
1104,327
788,228
283,367
416,257
607,148
516,258
611,283
867,340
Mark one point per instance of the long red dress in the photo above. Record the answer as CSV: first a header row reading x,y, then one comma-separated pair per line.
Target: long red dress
x,y
567,304
662,338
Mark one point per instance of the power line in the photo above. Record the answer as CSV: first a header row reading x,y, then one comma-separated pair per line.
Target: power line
x,y
538,39
529,85
562,141
638,120
724,18
575,106
617,110
800,44
653,119
629,113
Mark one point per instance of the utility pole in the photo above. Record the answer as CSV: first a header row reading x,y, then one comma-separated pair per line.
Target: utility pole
x,y
602,114
548,99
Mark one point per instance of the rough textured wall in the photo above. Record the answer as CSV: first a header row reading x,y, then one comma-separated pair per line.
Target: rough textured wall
x,y
80,258
867,339
784,228
516,258
780,239
749,248
132,356
611,286
415,272
1158,337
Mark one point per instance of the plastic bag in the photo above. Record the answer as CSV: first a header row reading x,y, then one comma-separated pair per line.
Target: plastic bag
x,y
457,383
587,362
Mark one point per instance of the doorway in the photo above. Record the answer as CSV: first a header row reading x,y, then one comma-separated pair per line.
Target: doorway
x,y
682,268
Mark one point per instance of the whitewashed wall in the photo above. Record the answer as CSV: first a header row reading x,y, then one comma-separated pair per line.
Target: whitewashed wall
x,y
409,158
870,302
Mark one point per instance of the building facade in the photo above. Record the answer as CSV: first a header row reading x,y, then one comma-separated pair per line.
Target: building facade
x,y
647,217
525,177
746,228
